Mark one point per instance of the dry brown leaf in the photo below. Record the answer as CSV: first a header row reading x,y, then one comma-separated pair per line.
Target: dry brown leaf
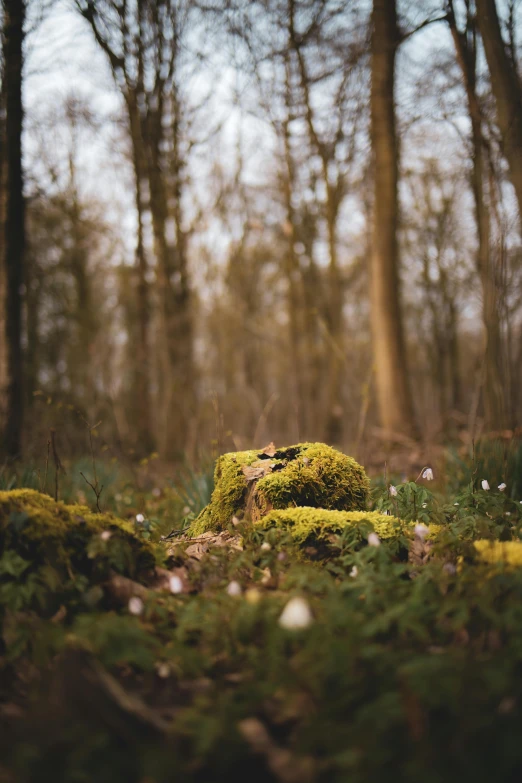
x,y
269,450
200,545
420,551
123,589
60,615
256,471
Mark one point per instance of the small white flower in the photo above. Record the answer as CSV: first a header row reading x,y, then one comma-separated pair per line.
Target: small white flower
x,y
424,505
456,504
140,519
428,474
234,589
421,531
393,491
136,605
485,484
502,487
156,492
374,540
163,670
296,614
265,546
354,572
449,568
175,585
508,513
236,521
105,535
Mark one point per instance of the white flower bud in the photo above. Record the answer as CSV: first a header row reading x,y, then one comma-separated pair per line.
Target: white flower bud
x,y
296,614
374,540
421,531
234,589
485,484
136,605
175,585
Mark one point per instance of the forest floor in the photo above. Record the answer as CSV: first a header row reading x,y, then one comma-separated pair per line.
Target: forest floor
x,y
247,656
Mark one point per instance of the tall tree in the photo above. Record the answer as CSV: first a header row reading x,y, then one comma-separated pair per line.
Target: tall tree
x,y
393,392
144,43
506,88
465,41
13,225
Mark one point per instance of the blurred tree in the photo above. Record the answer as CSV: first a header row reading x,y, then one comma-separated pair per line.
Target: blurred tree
x,y
12,212
393,392
144,44
506,88
465,40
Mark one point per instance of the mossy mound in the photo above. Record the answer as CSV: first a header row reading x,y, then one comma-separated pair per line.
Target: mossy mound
x,y
317,524
45,532
254,483
508,553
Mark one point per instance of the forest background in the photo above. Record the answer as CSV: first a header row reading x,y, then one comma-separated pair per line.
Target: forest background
x,y
244,221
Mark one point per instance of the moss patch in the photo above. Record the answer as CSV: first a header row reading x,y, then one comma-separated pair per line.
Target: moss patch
x,y
506,552
45,532
308,474
311,523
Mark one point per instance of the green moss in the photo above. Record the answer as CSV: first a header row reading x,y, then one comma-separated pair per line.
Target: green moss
x,y
311,523
308,474
46,532
508,553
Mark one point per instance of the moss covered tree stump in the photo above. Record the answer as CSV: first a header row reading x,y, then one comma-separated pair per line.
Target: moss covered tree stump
x,y
252,484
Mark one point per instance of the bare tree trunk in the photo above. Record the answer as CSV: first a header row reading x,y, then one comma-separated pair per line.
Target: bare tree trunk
x,y
144,431
495,412
393,392
173,292
13,234
298,386
506,89
333,428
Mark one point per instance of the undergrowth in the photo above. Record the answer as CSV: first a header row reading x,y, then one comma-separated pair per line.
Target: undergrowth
x,y
407,666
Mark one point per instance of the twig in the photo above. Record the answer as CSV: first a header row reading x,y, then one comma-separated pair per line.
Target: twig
x,y
95,488
57,464
46,465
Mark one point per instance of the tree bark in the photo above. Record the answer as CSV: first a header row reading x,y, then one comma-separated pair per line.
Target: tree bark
x,y
145,437
393,392
13,229
506,89
495,412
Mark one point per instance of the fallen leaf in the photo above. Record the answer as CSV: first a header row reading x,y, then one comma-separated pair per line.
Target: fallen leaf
x,y
255,472
269,450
